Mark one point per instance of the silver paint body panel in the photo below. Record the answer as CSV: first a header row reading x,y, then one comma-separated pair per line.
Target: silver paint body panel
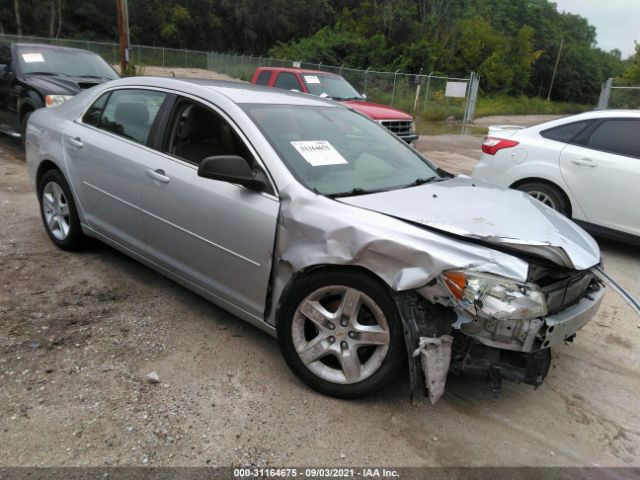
x,y
242,249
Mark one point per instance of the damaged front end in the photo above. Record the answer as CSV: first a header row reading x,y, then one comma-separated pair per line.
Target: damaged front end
x,y
499,329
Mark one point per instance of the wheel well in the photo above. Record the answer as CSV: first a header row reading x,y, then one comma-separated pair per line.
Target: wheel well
x,y
43,168
550,184
24,110
314,269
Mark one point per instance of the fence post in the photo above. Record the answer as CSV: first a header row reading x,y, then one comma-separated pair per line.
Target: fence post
x,y
163,56
260,61
341,69
605,93
366,74
393,91
426,93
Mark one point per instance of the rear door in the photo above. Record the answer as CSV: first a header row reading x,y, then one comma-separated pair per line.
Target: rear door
x,y
107,154
216,235
602,169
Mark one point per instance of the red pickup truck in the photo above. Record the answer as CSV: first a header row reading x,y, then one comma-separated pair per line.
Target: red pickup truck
x,y
330,85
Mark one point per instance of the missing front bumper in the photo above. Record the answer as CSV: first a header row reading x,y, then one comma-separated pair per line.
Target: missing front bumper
x,y
487,350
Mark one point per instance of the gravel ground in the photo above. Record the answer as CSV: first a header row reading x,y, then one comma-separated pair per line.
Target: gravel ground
x,y
79,333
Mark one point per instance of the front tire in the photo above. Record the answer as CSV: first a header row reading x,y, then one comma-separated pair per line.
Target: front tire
x,y
340,333
23,129
58,211
547,194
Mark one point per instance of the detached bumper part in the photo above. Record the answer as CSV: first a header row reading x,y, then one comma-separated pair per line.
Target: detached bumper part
x,y
435,355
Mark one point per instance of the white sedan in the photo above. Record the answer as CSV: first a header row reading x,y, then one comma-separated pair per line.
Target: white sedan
x,y
585,166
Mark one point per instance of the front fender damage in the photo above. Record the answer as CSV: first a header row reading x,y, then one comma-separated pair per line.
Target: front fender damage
x,y
315,231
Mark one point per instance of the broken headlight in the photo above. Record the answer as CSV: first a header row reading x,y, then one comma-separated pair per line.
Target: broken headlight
x,y
492,296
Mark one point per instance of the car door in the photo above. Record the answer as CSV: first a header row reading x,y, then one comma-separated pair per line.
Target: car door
x,y
602,169
216,235
8,99
107,154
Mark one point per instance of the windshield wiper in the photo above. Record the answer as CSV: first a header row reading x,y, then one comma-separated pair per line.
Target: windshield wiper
x,y
349,193
93,76
420,181
44,73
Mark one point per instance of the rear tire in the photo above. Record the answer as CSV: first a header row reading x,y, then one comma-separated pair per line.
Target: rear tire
x,y
547,194
341,333
58,211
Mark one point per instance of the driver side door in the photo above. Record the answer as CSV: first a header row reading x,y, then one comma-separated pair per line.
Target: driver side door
x,y
217,236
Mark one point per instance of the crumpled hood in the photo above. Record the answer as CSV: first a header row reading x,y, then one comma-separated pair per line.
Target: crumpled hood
x,y
61,85
469,208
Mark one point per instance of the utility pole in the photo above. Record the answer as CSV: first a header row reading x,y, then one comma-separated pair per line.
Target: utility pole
x,y
555,69
123,34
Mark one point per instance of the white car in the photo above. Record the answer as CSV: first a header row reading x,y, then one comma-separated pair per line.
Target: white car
x,y
586,166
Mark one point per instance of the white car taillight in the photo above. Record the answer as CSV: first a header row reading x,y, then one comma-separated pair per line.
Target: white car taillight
x,y
491,145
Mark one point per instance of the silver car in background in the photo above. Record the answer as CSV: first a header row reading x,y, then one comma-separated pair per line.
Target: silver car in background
x,y
318,226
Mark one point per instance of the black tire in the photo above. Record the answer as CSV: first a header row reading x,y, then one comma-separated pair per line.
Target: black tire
x,y
23,128
549,195
385,373
74,239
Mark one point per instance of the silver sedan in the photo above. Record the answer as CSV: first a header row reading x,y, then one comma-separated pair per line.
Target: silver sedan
x,y
318,226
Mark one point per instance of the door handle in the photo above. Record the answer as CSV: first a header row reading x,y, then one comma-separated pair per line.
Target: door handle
x,y
76,142
158,175
587,162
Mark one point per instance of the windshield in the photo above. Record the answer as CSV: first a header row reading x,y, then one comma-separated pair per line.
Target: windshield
x,y
72,63
338,152
330,86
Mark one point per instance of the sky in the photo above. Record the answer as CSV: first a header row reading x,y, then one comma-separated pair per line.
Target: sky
x,y
616,21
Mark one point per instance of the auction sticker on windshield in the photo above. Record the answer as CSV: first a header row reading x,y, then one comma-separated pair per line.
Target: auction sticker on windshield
x,y
311,79
318,153
32,57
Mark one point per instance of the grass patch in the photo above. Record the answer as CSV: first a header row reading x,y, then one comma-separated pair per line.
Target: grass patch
x,y
521,105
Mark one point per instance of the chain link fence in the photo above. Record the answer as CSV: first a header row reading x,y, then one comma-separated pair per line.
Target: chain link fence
x,y
619,96
425,95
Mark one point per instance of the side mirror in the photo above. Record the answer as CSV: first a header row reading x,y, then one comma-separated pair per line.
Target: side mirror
x,y
232,169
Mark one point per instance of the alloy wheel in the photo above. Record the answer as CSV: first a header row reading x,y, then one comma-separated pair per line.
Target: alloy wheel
x,y
340,334
544,198
56,210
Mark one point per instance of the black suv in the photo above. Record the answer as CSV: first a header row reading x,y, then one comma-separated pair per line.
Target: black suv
x,y
34,76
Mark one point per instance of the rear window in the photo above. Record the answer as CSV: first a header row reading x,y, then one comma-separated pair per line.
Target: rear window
x,y
620,136
263,78
128,113
565,133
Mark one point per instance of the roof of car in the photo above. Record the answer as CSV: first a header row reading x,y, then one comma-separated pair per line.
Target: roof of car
x,y
51,47
237,92
297,70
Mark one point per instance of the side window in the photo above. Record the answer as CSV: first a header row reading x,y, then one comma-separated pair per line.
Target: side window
x,y
565,133
130,113
617,136
288,81
264,77
197,132
93,114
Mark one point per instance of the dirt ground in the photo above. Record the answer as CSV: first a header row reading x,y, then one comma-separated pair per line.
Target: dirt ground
x,y
80,332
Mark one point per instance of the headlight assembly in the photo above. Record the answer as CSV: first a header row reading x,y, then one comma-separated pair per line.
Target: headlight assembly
x,y
55,100
492,296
